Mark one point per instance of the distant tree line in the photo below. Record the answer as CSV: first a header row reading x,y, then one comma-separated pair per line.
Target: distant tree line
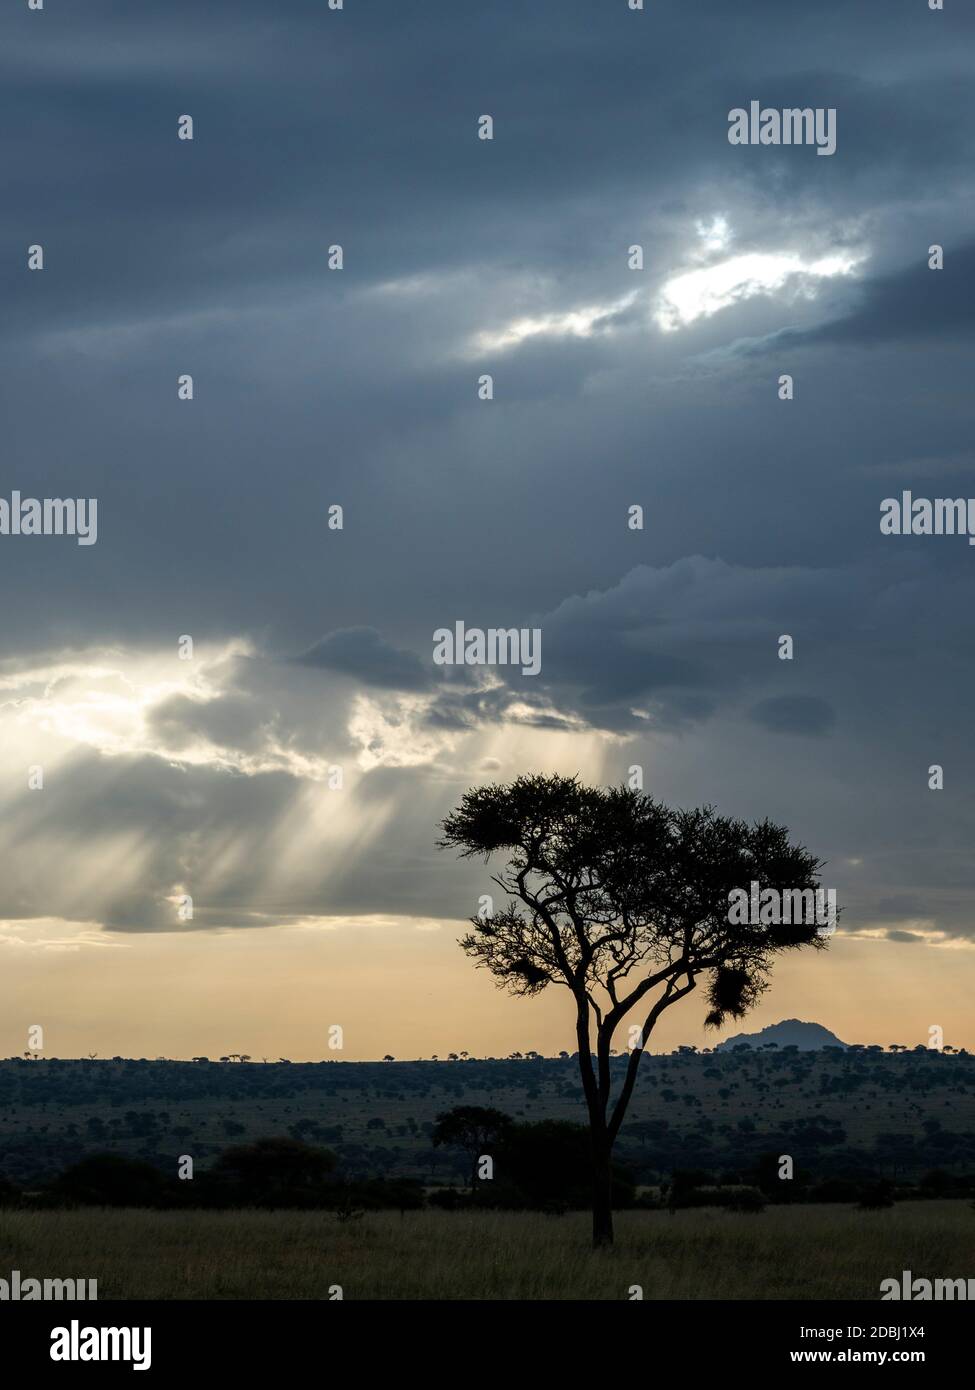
x,y
270,1173
543,1166
853,1115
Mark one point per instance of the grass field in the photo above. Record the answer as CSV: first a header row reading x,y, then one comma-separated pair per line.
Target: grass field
x,y
799,1252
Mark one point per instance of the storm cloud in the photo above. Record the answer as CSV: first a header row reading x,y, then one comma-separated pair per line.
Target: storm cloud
x,y
316,388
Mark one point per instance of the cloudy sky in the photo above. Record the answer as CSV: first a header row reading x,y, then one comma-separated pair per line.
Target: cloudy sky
x,y
613,387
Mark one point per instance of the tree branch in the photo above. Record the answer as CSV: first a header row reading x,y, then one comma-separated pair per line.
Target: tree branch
x,y
670,996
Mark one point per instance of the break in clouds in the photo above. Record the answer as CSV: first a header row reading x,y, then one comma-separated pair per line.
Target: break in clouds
x,y
635,286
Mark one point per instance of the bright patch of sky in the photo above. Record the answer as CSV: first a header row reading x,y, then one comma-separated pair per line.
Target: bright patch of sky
x,y
700,293
689,294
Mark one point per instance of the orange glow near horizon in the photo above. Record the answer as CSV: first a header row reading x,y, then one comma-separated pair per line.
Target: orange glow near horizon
x,y
406,989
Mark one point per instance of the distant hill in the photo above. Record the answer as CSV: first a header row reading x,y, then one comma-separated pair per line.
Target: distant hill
x,y
791,1032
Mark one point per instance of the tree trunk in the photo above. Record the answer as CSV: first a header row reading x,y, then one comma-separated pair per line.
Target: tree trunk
x,y
602,1145
602,1197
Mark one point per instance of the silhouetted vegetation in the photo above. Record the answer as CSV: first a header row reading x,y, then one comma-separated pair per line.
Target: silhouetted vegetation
x,y
623,902
474,1129
110,1180
541,1166
846,1118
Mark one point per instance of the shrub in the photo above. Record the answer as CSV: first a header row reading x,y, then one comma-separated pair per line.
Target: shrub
x,y
875,1196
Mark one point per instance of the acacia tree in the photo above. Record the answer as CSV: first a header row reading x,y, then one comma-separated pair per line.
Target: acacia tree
x,y
625,902
473,1129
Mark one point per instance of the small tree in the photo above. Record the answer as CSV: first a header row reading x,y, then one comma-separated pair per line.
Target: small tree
x,y
626,903
472,1128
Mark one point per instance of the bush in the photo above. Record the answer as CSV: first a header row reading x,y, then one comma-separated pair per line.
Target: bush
x,y
386,1194
450,1199
285,1173
835,1190
110,1180
548,1166
747,1199
268,1173
736,1197
875,1196
9,1194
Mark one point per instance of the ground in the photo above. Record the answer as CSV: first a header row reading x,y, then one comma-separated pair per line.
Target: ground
x,y
794,1252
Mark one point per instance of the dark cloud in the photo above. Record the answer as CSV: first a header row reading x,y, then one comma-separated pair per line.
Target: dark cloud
x,y
314,388
229,721
915,303
362,653
901,905
794,714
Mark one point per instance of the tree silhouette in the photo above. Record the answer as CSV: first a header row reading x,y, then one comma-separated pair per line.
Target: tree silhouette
x,y
626,903
273,1172
110,1180
473,1128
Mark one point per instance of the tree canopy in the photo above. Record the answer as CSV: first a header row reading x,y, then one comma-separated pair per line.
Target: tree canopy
x,y
625,902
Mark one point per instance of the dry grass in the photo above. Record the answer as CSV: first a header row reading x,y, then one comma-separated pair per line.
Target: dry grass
x,y
786,1252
